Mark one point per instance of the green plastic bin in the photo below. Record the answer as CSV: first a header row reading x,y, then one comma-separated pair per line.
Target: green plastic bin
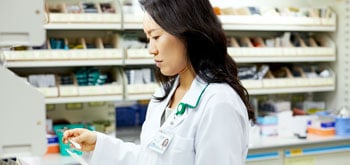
x,y
59,129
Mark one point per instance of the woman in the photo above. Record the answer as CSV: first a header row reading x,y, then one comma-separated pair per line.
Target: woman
x,y
202,109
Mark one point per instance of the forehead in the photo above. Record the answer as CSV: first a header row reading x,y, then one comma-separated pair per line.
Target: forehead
x,y
149,24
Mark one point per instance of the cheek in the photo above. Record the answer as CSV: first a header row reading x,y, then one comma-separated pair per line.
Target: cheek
x,y
179,58
182,63
175,65
173,53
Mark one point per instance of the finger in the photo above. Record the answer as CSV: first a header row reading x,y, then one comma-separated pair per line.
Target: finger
x,y
78,131
65,136
81,138
69,134
87,140
89,137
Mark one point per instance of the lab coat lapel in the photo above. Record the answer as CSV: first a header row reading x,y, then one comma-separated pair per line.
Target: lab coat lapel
x,y
178,119
162,106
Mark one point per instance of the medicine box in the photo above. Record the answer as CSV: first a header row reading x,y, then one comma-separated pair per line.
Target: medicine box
x,y
52,144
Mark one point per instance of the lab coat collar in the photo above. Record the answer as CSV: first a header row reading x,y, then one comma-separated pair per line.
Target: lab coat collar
x,y
193,96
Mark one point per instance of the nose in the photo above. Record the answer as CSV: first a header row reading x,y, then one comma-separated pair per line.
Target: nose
x,y
152,49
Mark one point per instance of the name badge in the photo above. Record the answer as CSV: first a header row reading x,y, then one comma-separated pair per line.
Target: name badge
x,y
161,141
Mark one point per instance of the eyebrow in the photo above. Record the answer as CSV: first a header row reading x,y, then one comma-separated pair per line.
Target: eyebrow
x,y
151,30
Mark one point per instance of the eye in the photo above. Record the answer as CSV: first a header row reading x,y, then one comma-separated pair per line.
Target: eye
x,y
155,37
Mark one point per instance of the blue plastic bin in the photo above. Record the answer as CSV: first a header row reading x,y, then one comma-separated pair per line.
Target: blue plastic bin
x,y
142,111
342,126
126,116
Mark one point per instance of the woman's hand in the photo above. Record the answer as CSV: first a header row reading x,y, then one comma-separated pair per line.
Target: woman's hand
x,y
84,137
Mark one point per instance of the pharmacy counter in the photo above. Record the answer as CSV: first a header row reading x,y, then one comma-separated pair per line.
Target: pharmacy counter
x,y
314,150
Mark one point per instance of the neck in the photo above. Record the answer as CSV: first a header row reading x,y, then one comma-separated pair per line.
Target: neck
x,y
185,78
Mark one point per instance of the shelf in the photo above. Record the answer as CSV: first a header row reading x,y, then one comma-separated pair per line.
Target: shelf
x,y
271,142
63,100
138,56
278,23
139,61
252,59
279,28
133,22
290,90
253,23
133,26
83,26
252,55
139,26
140,91
148,96
93,18
53,58
139,97
285,54
110,62
63,63
264,59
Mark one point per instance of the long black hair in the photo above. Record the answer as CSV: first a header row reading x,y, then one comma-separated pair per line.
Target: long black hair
x,y
196,25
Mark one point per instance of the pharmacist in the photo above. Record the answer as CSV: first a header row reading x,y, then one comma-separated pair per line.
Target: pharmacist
x,y
201,114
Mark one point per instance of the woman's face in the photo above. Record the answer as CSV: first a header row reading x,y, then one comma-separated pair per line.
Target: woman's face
x,y
168,52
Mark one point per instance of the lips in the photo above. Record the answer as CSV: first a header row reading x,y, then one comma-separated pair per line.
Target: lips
x,y
158,62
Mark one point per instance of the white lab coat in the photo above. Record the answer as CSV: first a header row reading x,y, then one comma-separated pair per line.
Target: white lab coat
x,y
215,132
